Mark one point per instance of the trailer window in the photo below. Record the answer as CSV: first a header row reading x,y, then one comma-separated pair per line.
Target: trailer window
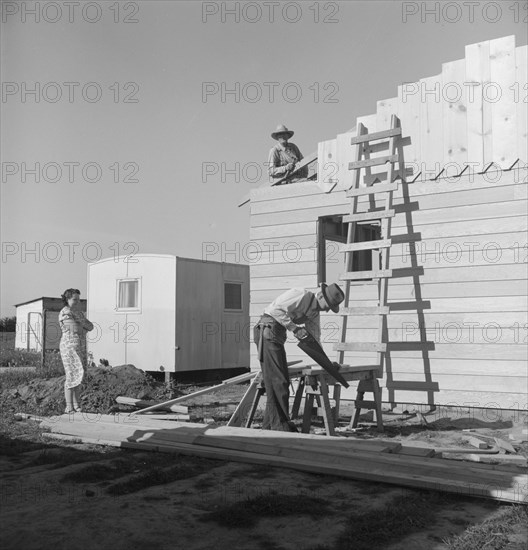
x,y
233,296
128,294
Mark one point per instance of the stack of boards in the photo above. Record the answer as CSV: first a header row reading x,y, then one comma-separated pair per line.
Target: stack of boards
x,y
366,460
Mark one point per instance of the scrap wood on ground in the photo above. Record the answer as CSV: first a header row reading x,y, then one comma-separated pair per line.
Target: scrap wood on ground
x,y
367,460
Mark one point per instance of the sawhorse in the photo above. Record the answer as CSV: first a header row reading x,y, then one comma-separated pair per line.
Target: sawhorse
x,y
314,384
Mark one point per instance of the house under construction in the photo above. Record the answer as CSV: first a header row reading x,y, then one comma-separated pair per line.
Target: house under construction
x,y
455,325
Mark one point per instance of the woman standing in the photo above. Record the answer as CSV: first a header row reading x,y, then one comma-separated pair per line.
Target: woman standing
x,y
74,326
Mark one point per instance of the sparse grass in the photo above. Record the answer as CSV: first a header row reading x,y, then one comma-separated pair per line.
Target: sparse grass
x,y
186,468
491,534
400,518
94,473
246,513
14,447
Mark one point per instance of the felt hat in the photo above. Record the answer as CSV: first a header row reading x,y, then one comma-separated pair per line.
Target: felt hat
x,y
281,129
333,295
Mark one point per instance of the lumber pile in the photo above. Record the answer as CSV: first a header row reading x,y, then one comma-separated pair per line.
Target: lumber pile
x,y
367,460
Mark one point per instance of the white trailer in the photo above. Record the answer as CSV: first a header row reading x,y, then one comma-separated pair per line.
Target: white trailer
x,y
163,313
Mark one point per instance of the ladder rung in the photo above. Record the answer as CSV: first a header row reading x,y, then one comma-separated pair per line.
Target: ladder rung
x,y
359,368
391,132
375,310
410,306
360,346
412,385
364,404
366,245
358,275
376,188
408,238
378,161
368,216
411,346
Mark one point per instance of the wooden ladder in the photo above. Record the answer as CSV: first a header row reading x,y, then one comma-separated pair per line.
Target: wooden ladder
x,y
379,274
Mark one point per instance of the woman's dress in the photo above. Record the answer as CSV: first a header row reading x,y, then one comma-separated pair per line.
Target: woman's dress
x,y
72,347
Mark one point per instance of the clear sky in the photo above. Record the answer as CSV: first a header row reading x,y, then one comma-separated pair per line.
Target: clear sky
x,y
151,62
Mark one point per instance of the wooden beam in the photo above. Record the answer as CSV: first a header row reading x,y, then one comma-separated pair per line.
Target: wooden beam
x,y
376,135
366,245
378,161
375,188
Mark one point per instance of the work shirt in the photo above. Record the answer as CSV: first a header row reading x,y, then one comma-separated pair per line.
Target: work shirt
x,y
295,307
280,156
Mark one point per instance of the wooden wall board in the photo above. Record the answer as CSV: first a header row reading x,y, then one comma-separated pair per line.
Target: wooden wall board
x,y
419,215
345,153
267,292
478,110
293,229
370,123
492,178
409,99
503,109
435,195
521,101
456,305
431,126
384,111
328,173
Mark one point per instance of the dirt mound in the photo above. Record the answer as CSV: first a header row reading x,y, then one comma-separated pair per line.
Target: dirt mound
x,y
99,390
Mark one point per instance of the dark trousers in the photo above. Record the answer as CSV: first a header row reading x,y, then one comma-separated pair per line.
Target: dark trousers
x,y
270,336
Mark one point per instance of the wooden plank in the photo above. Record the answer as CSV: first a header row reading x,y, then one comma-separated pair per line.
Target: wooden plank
x,y
409,114
383,134
369,121
368,216
266,293
498,459
379,188
358,275
503,108
141,403
521,79
393,467
419,216
486,350
378,161
230,381
345,154
385,108
328,175
478,110
475,442
466,190
431,126
364,310
360,346
504,445
454,95
366,245
416,451
168,416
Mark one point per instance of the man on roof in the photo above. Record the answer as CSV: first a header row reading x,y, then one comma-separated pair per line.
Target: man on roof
x,y
284,157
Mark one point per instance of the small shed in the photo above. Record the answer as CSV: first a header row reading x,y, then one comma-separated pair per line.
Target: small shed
x,y
37,321
163,313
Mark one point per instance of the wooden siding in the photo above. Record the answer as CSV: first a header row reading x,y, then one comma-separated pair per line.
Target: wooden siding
x,y
208,336
470,243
